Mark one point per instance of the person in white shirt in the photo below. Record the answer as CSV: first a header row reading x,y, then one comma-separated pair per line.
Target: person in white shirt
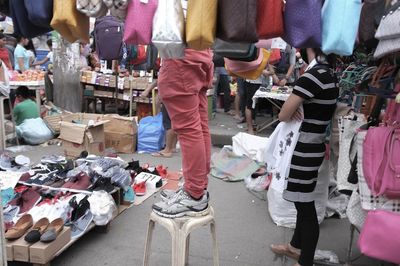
x,y
49,56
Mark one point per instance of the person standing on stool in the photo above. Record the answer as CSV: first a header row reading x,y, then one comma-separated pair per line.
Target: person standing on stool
x,y
317,91
182,85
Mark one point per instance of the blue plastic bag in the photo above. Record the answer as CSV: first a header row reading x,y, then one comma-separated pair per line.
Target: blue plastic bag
x,y
34,131
340,21
151,134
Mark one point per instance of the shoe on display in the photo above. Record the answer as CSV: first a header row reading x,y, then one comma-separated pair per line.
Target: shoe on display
x,y
52,231
182,204
140,188
129,196
37,230
103,183
7,195
53,159
80,208
79,227
22,160
29,198
9,212
20,228
103,207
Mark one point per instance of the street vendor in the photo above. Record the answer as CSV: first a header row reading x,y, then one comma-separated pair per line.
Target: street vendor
x,y
26,108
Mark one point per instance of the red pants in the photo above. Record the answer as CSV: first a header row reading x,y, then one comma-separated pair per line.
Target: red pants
x,y
182,85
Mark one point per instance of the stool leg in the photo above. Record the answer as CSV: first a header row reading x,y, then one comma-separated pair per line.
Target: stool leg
x,y
176,241
147,248
350,248
215,246
186,262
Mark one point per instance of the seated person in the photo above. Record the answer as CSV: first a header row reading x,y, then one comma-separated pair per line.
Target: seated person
x,y
283,71
26,108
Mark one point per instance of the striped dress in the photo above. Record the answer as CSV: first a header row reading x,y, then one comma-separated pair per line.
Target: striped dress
x,y
319,90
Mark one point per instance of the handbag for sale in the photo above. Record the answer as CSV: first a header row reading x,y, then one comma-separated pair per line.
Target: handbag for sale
x,y
347,139
242,66
237,20
270,19
69,22
92,8
235,50
303,25
169,29
389,26
367,29
139,21
255,73
379,236
354,211
340,22
22,25
201,23
108,32
381,161
117,7
40,12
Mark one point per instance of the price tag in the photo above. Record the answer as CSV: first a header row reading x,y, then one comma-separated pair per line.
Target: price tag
x,y
278,43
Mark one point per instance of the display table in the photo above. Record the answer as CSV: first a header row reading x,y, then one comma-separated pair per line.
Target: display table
x,y
275,96
32,85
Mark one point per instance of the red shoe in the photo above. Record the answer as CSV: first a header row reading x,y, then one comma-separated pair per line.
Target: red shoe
x,y
140,188
162,171
29,198
82,182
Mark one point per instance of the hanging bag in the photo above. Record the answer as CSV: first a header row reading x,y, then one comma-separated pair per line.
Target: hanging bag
x,y
270,19
108,32
201,23
237,20
69,22
117,8
139,21
367,29
40,12
22,25
235,50
379,236
169,29
303,25
92,8
381,163
340,21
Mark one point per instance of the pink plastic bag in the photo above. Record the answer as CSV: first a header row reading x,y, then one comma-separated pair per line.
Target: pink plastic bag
x,y
379,236
139,21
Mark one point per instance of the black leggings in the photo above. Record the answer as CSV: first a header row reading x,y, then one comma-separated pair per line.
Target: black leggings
x,y
306,234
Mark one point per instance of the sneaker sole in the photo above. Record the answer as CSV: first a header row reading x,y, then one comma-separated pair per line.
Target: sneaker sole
x,y
201,213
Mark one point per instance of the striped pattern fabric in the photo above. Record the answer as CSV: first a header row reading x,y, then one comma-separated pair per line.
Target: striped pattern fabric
x,y
319,90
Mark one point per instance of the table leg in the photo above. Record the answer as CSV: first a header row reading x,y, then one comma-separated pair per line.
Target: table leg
x,y
38,101
274,117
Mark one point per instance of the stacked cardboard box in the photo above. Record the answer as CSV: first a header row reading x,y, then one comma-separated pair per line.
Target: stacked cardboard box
x,y
120,133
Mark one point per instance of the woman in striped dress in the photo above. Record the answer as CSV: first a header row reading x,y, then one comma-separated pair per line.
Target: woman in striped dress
x,y
317,91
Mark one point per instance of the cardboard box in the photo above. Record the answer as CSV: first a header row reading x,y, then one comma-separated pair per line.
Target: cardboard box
x,y
42,253
53,122
21,249
87,135
120,133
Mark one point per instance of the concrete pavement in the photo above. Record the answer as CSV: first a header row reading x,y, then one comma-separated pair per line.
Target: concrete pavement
x,y
244,230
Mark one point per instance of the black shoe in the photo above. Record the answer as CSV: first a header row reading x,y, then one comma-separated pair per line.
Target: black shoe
x,y
134,165
80,209
103,183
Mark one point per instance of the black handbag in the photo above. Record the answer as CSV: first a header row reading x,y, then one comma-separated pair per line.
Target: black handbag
x,y
235,50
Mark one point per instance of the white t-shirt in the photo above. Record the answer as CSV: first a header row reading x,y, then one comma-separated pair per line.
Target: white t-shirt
x,y
50,56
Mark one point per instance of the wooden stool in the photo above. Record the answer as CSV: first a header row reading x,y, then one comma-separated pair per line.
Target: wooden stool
x,y
180,229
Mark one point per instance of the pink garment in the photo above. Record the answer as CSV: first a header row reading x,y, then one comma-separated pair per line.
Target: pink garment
x,y
182,85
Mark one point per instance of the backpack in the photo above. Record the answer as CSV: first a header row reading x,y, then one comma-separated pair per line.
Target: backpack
x,y
108,33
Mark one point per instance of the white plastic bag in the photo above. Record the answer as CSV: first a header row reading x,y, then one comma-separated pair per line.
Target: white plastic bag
x,y
103,207
252,146
34,131
283,212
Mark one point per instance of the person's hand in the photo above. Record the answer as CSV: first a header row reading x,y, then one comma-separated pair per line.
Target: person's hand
x,y
144,94
298,115
282,82
267,72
